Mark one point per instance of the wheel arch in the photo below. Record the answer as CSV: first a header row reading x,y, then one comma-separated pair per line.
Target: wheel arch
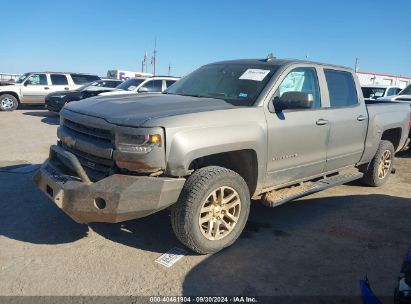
x,y
244,162
11,93
393,135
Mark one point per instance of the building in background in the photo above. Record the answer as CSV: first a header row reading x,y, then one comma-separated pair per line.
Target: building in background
x,y
367,78
125,75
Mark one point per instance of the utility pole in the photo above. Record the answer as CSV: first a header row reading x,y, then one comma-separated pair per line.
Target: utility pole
x,y
356,68
155,56
144,61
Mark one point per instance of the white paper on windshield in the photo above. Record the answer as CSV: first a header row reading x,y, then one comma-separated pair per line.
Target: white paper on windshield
x,y
254,74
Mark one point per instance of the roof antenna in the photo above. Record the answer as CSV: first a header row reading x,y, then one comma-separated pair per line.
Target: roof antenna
x,y
270,57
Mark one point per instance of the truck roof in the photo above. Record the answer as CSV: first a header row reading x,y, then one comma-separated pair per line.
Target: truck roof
x,y
278,62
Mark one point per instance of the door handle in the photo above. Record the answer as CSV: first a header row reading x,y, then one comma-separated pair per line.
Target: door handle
x,y
46,88
321,122
361,118
66,89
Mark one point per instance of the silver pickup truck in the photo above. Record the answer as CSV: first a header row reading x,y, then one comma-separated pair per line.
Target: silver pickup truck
x,y
229,132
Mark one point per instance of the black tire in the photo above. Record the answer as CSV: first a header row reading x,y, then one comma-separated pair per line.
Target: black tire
x,y
372,176
8,102
185,214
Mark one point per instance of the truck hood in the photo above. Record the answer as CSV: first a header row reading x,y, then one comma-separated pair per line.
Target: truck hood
x,y
11,86
135,110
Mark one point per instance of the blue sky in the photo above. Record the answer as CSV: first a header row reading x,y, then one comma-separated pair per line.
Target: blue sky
x,y
95,36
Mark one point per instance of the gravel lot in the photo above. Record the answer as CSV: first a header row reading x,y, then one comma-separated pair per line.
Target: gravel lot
x,y
319,245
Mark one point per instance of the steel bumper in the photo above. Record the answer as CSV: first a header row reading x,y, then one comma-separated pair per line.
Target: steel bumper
x,y
113,199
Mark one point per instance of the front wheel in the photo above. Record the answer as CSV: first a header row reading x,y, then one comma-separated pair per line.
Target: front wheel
x,y
212,209
8,102
379,169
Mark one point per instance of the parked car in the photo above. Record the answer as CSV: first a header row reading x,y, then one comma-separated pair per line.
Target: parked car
x,y
56,100
154,84
32,88
403,96
373,92
270,129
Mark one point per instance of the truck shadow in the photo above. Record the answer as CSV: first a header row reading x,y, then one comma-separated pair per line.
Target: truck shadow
x,y
404,154
319,247
153,233
49,117
27,215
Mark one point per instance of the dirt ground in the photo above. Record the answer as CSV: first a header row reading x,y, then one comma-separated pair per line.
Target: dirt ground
x,y
319,245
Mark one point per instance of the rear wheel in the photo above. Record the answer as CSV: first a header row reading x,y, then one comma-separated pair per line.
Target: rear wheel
x,y
8,102
212,210
379,169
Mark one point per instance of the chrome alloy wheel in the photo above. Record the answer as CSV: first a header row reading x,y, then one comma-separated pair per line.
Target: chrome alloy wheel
x,y
6,103
384,165
219,213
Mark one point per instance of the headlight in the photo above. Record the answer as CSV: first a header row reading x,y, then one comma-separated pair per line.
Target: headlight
x,y
137,143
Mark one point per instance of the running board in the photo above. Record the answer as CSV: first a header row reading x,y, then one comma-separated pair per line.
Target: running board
x,y
278,197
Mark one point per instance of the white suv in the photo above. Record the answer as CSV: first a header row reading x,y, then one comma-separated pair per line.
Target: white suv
x,y
153,84
31,88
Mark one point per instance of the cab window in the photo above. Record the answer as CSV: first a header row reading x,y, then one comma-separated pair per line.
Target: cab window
x,y
301,80
341,88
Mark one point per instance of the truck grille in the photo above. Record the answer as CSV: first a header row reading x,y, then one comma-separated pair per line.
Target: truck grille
x,y
94,133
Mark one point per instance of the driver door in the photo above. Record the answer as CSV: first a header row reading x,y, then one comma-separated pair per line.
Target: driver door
x,y
35,88
297,138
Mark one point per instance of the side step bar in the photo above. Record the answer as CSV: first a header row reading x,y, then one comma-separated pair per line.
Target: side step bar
x,y
278,197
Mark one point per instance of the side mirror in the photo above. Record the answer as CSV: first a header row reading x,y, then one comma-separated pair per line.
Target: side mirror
x,y
293,100
143,90
26,83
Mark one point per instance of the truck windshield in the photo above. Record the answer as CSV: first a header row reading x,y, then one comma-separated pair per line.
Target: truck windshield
x,y
22,78
131,84
406,91
238,84
373,93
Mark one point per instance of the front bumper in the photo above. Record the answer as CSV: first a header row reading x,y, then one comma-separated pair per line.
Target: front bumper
x,y
54,105
113,199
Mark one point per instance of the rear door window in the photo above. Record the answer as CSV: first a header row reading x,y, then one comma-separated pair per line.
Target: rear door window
x,y
341,88
58,79
169,82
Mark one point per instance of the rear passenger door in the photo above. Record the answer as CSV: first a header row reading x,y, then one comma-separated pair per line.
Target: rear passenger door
x,y
348,119
59,82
